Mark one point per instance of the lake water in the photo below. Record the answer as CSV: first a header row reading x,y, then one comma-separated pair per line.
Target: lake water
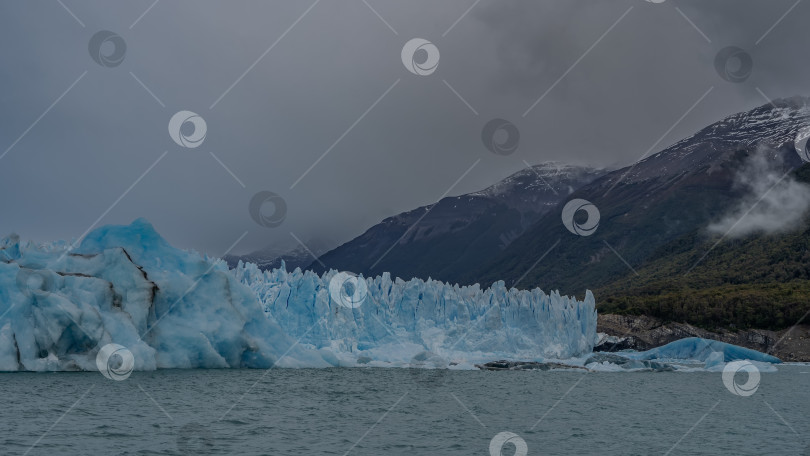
x,y
401,412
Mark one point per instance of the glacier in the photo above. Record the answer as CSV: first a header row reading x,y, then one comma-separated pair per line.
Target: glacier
x,y
401,321
125,285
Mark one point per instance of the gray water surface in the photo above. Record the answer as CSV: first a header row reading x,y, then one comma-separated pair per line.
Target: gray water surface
x,y
400,412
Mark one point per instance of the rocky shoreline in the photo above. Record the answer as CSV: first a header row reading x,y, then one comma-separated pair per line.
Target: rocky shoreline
x,y
643,333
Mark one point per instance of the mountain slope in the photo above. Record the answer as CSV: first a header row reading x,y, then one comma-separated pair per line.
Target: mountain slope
x,y
658,209
446,239
755,281
294,255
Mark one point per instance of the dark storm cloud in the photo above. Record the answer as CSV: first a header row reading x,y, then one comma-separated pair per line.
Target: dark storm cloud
x,y
317,81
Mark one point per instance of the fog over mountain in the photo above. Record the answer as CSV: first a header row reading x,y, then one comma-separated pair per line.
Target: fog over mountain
x,y
311,101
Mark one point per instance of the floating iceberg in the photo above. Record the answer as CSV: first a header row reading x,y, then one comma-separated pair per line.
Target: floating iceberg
x,y
689,354
706,350
176,309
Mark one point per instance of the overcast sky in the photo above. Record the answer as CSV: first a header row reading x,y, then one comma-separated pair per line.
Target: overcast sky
x,y
279,84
